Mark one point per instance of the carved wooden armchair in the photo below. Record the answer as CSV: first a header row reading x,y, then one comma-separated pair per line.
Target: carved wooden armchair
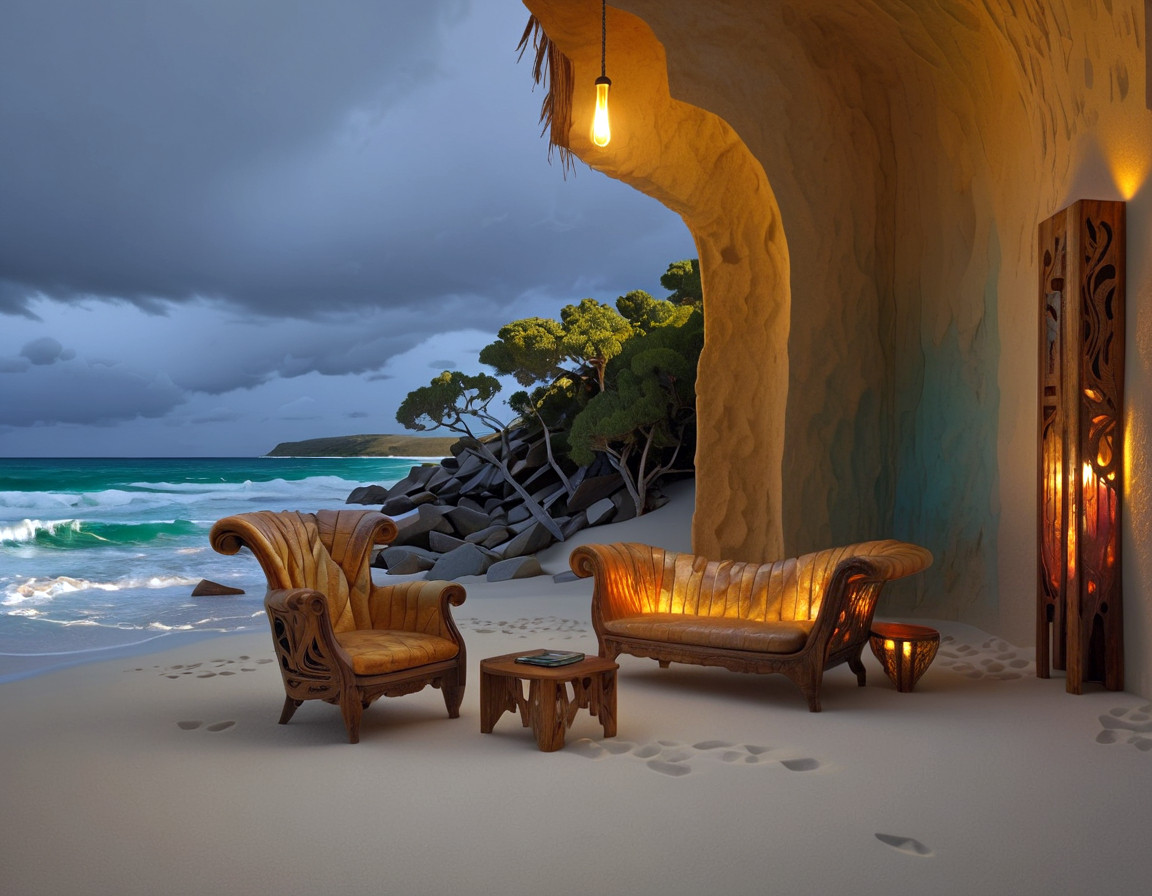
x,y
338,636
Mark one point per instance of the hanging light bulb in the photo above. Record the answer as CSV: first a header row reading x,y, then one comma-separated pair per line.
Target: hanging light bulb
x,y
601,132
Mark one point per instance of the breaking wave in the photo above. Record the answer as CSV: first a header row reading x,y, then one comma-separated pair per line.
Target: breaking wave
x,y
71,533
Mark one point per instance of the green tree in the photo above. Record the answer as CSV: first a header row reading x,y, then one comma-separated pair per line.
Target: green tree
x,y
646,313
644,423
541,350
449,401
529,350
682,279
594,333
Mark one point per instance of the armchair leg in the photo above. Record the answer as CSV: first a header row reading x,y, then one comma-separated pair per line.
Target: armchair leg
x,y
352,710
290,707
453,697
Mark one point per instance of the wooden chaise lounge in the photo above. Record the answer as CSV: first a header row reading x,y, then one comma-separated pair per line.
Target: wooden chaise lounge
x,y
797,617
339,637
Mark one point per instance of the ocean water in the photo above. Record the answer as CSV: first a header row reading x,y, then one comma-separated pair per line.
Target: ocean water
x,y
99,553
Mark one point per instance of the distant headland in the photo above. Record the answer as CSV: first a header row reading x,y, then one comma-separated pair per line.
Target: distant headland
x,y
368,446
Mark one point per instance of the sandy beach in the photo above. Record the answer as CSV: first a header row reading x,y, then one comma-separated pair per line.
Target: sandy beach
x,y
167,773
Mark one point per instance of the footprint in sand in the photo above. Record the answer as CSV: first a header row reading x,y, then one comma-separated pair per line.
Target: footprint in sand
x,y
212,668
994,659
668,768
672,758
215,726
800,765
908,845
1127,725
524,628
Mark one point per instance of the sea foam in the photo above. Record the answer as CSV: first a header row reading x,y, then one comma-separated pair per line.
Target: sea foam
x,y
43,590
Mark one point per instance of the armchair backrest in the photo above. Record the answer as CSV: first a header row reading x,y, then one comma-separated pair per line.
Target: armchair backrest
x,y
330,551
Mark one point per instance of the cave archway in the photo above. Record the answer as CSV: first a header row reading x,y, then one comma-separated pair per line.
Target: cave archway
x,y
696,164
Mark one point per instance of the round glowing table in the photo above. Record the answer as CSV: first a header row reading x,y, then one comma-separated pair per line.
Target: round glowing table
x,y
905,651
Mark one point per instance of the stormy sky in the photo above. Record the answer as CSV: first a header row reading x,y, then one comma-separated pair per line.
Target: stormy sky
x,y
226,224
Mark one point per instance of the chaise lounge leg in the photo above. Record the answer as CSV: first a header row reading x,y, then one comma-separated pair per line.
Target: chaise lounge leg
x,y
290,707
809,680
857,666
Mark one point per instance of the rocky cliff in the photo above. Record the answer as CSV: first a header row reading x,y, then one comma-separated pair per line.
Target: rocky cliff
x,y
367,446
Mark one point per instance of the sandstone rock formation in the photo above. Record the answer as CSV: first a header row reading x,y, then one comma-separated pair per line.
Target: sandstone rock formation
x,y
864,181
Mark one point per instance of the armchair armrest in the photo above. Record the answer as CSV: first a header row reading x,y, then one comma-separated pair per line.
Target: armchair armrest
x,y
418,606
310,658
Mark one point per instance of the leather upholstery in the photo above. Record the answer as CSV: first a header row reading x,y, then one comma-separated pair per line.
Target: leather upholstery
x,y
714,631
376,652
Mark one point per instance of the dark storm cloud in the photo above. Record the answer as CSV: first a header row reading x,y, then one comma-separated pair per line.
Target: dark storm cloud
x,y
46,350
129,124
66,390
286,157
215,204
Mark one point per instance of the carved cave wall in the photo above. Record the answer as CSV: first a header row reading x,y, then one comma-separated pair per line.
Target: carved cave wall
x,y
864,181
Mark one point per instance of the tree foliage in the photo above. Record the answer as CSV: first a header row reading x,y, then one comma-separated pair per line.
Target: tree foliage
x,y
529,350
682,279
540,350
619,382
449,401
594,334
645,313
645,421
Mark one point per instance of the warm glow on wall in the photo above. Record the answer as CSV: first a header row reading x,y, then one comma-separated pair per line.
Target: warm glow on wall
x,y
1130,164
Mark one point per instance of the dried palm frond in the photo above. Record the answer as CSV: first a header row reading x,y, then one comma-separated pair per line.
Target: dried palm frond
x,y
552,69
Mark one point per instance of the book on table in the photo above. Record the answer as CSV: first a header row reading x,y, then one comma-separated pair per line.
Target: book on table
x,y
551,658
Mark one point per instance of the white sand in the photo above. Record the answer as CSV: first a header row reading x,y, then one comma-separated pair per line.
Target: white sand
x,y
167,774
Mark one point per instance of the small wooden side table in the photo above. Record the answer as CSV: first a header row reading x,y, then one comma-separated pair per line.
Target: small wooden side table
x,y
548,709
905,651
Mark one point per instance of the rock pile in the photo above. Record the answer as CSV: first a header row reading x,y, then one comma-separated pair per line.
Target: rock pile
x,y
462,517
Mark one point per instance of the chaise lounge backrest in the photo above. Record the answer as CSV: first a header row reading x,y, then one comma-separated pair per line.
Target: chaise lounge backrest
x,y
642,580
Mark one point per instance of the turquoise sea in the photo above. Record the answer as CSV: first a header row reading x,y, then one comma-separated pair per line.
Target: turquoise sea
x,y
98,554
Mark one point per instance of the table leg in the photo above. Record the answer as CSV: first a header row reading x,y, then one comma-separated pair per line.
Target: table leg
x,y
547,701
497,696
488,711
608,702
